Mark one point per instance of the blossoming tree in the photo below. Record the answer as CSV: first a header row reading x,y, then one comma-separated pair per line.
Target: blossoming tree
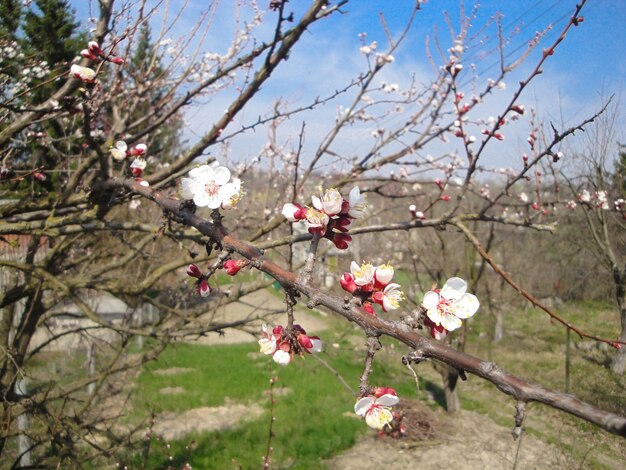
x,y
121,222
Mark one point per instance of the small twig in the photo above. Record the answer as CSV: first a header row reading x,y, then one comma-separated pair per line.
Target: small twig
x,y
520,413
270,434
307,272
373,345
334,371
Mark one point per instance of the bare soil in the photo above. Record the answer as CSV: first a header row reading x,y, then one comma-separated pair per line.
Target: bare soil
x,y
466,441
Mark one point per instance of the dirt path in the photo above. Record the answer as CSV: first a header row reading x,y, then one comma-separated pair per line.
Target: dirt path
x,y
468,442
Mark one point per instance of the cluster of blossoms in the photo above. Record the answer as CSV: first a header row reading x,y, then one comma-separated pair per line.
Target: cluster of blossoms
x,y
446,307
376,408
120,152
372,284
201,281
598,198
283,344
211,186
93,52
330,216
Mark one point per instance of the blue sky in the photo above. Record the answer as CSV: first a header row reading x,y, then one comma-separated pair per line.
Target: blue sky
x,y
587,64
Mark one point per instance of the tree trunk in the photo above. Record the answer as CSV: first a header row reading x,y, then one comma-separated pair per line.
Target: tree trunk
x,y
619,361
450,378
498,331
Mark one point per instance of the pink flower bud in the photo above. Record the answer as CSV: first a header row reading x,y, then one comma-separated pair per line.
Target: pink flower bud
x,y
137,172
94,48
380,391
139,149
341,240
277,331
342,223
39,176
369,309
194,271
518,108
305,341
202,288
347,283
87,54
294,212
445,198
117,60
377,297
232,267
439,183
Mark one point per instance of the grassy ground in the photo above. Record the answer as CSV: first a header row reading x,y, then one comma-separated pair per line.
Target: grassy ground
x,y
314,420
535,348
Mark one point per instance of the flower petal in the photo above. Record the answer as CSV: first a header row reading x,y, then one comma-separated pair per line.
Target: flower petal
x,y
466,306
222,175
450,322
317,345
378,417
317,202
187,184
431,300
434,315
454,288
388,400
364,404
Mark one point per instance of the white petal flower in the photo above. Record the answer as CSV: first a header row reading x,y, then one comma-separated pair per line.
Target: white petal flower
x,y
317,345
119,150
282,357
392,296
83,73
375,410
316,221
330,203
384,274
357,203
268,345
363,275
139,163
209,186
450,305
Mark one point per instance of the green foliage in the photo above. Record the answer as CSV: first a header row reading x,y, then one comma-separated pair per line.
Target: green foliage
x,y
619,177
145,67
51,34
10,15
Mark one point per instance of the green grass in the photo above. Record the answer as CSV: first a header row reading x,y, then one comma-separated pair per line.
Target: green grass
x,y
310,422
